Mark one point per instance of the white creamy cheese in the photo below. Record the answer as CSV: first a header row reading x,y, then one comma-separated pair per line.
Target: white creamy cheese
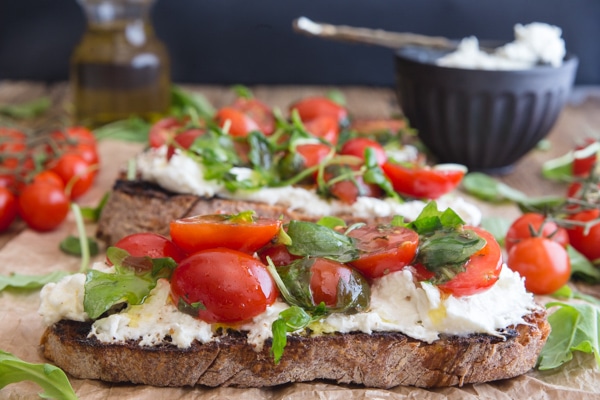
x,y
397,304
534,43
182,174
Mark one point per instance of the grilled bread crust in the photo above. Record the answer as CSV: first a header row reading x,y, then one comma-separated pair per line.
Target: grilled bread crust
x,y
379,360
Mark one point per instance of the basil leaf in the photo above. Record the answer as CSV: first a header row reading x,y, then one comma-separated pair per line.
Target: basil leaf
x,y
72,245
575,327
431,219
30,109
134,129
497,226
19,281
261,151
374,174
446,252
190,308
310,239
331,222
581,267
52,379
290,320
93,213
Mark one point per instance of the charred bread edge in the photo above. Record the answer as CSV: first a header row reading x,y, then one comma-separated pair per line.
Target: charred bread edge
x,y
138,206
380,360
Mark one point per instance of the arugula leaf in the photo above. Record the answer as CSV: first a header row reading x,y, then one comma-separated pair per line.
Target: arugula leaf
x,y
575,327
52,379
310,239
19,281
182,102
290,320
92,214
30,109
72,245
133,280
134,129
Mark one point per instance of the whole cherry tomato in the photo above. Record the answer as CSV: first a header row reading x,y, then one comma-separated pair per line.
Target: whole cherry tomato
x,y
529,224
542,262
75,172
50,177
222,285
43,205
384,249
240,124
357,147
152,245
312,107
482,269
324,127
8,208
586,240
240,232
423,181
13,148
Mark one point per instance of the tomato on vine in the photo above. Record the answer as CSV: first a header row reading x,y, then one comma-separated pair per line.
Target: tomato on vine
x,y
534,224
8,208
43,205
586,239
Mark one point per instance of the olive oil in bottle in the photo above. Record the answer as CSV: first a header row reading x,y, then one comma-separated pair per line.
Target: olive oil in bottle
x,y
120,68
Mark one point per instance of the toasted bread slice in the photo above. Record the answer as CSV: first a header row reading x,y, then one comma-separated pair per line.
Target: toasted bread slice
x,y
380,360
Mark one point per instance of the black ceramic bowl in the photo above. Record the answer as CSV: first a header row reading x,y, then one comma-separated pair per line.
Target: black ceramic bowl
x,y
483,119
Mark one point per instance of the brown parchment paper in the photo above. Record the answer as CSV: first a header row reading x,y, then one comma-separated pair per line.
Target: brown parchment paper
x,y
21,327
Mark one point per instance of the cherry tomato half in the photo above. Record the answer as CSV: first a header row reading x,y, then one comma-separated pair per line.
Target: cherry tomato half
x,y
8,208
325,278
278,253
43,205
350,189
221,230
312,107
384,249
522,228
227,286
586,241
240,124
542,262
150,244
163,130
357,147
313,153
423,181
482,270
324,127
184,140
258,111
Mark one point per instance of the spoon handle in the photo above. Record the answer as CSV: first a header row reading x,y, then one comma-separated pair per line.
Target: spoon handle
x,y
377,37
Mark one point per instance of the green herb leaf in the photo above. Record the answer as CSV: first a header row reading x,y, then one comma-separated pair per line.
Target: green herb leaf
x,y
290,320
52,379
331,222
575,327
182,102
134,129
431,219
19,281
581,267
92,214
487,188
30,109
72,245
374,174
497,226
310,239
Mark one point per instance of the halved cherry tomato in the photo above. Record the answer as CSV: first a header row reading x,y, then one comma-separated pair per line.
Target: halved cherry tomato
x,y
257,111
8,208
543,263
423,181
163,130
312,107
522,228
184,140
240,124
357,147
278,253
586,241
482,270
384,249
313,153
43,205
350,189
75,172
222,285
150,244
324,127
222,230
325,278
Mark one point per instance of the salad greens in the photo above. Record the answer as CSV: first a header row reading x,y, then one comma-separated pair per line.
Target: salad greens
x,y
53,380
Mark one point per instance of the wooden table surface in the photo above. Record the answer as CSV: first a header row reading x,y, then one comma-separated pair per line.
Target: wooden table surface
x,y
580,118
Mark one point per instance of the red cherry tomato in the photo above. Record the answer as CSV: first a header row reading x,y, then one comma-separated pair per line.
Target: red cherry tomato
x,y
185,140
278,253
325,278
43,205
258,112
227,285
8,208
384,249
521,229
482,270
312,107
313,153
542,262
13,146
240,124
586,241
350,189
150,244
75,172
74,135
357,147
221,230
422,181
583,165
324,127
163,130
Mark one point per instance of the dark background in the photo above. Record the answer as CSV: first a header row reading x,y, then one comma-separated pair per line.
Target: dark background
x,y
252,42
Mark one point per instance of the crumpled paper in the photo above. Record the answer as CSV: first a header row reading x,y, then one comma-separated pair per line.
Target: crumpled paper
x,y
21,327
